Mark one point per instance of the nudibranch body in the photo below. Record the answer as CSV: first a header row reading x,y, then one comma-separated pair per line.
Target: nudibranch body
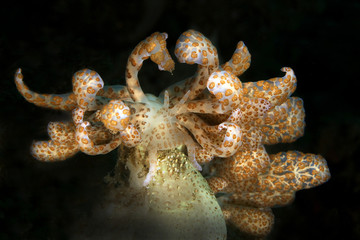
x,y
184,201
221,120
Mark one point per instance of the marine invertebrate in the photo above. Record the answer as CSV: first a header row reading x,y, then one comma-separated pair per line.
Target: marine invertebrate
x,y
218,118
152,122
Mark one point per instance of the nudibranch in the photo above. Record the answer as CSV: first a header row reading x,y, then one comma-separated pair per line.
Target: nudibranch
x,y
131,117
219,120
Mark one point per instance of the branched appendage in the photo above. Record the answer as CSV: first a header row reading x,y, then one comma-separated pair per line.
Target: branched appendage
x,y
194,48
55,101
153,47
228,125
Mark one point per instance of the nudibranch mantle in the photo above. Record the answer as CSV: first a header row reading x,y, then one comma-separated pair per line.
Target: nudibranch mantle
x,y
183,200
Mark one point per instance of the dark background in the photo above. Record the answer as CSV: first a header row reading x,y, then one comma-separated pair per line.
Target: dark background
x,y
50,41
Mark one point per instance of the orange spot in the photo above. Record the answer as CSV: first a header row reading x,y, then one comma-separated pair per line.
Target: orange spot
x,y
194,54
228,92
218,95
